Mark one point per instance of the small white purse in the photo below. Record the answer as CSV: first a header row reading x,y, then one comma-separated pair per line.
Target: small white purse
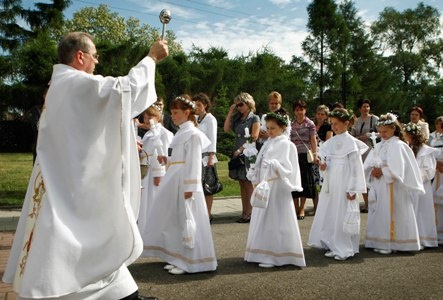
x,y
260,195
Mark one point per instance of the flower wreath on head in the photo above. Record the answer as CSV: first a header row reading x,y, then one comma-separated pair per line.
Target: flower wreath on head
x,y
157,107
342,115
412,128
188,102
391,118
280,117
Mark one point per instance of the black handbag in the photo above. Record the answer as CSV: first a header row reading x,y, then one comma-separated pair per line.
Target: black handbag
x,y
211,184
236,162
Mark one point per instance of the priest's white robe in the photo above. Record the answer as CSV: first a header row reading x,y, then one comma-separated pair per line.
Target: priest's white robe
x,y
78,230
391,223
165,224
424,203
274,236
344,174
149,190
437,184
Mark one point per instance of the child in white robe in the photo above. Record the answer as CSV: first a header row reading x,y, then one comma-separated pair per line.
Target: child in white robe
x,y
182,183
436,141
342,169
423,203
393,175
155,143
274,237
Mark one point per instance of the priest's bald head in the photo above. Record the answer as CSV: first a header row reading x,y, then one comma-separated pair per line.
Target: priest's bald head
x,y
77,49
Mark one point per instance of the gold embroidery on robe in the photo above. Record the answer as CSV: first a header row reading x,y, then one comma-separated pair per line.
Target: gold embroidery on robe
x,y
39,191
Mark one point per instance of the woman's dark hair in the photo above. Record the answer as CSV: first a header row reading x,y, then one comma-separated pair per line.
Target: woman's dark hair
x,y
203,98
417,109
299,103
363,101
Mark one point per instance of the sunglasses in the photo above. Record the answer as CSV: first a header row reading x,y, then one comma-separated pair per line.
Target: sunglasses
x,y
239,104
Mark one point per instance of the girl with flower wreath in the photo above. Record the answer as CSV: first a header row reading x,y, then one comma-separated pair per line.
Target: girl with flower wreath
x,y
274,237
180,199
423,203
340,159
393,175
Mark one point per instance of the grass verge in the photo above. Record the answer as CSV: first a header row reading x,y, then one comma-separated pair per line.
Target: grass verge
x,y
15,170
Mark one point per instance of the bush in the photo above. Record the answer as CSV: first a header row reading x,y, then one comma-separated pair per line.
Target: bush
x,y
16,136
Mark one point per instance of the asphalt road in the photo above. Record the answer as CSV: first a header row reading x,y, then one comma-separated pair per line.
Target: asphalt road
x,y
368,275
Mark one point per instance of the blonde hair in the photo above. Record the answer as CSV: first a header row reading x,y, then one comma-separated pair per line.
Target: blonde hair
x,y
275,95
246,99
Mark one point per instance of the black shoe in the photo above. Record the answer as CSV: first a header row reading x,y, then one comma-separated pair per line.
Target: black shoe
x,y
211,218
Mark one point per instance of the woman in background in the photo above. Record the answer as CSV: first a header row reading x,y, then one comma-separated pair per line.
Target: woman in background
x,y
241,116
303,135
207,123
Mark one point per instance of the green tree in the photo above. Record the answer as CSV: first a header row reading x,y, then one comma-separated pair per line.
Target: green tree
x,y
323,26
413,45
28,51
112,29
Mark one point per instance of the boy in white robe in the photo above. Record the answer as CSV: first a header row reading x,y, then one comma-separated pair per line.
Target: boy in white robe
x,y
274,237
181,186
77,232
344,177
392,173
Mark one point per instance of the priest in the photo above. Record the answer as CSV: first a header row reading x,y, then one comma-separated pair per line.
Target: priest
x,y
77,233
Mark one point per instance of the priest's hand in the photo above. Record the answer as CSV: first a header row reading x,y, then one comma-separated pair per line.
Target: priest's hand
x,y
188,195
156,181
159,51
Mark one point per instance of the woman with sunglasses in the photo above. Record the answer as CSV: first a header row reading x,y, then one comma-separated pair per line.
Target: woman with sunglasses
x,y
241,116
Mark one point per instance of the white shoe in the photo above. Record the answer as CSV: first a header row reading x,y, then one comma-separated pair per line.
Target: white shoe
x,y
169,267
384,251
266,265
177,271
340,258
376,250
329,254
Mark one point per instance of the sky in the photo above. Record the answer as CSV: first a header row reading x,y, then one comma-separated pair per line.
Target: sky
x,y
238,26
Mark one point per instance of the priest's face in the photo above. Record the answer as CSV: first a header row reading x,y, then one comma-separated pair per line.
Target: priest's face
x,y
89,58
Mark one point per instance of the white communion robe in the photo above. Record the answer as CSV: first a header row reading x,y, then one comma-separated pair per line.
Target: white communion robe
x,y
344,174
424,203
163,237
149,190
78,232
437,185
391,223
274,236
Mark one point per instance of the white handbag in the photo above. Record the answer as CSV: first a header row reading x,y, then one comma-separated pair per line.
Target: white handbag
x,y
260,195
351,222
